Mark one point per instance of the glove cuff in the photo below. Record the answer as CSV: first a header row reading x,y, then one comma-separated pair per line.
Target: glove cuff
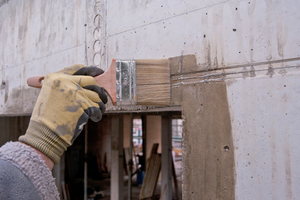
x,y
45,140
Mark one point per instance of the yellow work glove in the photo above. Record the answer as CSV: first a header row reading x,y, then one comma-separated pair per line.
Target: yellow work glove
x,y
67,100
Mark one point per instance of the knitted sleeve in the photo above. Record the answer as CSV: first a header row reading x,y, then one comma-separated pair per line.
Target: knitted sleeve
x,y
24,175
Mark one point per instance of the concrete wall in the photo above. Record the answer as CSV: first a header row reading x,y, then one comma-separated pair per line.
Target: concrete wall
x,y
39,37
264,115
238,88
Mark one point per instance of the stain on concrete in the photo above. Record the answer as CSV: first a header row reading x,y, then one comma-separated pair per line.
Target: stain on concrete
x,y
208,56
280,40
270,72
15,105
269,57
183,64
252,72
216,62
22,31
4,86
282,72
51,36
282,30
248,73
208,156
245,73
2,2
251,7
288,172
223,74
16,94
14,101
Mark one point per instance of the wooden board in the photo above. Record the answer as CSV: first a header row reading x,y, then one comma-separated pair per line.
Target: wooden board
x,y
152,173
151,177
127,159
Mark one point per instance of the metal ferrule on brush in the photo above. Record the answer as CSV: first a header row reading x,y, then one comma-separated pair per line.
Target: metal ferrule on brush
x,y
126,82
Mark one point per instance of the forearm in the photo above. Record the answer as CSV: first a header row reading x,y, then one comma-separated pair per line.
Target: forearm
x,y
47,160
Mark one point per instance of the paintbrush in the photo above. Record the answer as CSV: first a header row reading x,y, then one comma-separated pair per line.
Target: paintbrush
x,y
132,82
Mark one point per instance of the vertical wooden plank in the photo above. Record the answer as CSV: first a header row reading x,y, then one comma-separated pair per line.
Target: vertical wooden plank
x,y
144,136
117,158
175,180
131,166
151,176
85,162
166,156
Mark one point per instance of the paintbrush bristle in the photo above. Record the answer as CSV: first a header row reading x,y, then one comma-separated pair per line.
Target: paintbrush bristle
x,y
153,82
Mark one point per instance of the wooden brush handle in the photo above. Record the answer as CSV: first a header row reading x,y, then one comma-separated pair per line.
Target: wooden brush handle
x,y
107,81
35,81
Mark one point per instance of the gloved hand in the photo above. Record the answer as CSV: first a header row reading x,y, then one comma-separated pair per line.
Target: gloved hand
x,y
66,101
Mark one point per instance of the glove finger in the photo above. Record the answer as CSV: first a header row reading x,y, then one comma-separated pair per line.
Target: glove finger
x,y
71,69
79,69
102,107
99,90
93,96
84,81
89,71
94,113
89,83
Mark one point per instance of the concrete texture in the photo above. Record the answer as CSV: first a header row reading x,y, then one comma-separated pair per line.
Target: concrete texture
x,y
264,117
40,37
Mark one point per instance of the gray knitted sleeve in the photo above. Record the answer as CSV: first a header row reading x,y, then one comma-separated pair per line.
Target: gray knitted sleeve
x,y
24,175
14,184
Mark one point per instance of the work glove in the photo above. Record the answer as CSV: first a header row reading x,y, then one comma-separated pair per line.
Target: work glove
x,y
67,100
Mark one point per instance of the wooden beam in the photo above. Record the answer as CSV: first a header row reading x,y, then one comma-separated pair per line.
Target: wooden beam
x,y
152,173
117,182
175,180
166,164
144,136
